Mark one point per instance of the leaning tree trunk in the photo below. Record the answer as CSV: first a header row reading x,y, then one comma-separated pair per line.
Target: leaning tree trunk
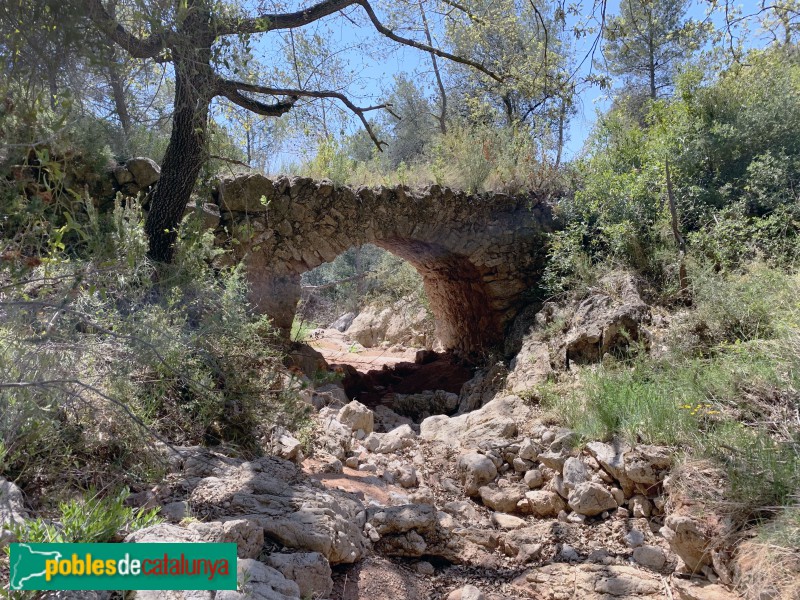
x,y
183,159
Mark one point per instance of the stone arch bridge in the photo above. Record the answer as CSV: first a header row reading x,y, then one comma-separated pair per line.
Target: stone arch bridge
x,y
479,255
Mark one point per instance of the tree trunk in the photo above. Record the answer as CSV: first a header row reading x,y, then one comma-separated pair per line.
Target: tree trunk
x,y
442,92
183,159
120,106
676,232
562,118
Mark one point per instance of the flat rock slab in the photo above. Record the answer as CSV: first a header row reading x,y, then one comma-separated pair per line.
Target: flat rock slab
x,y
590,582
292,508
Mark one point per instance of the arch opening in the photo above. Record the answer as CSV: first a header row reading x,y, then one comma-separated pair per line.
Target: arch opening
x,y
464,313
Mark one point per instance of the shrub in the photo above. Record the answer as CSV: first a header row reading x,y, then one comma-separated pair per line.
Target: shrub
x,y
90,519
101,366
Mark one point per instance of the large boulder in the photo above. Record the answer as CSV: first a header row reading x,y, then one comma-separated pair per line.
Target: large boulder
x,y
690,539
245,193
357,417
291,508
589,582
309,570
497,420
12,504
530,367
405,322
145,171
414,530
590,499
608,320
247,535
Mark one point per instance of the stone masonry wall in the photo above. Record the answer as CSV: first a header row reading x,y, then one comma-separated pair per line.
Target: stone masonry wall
x,y
478,255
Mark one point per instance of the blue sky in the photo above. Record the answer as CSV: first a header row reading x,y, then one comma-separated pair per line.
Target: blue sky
x,y
374,62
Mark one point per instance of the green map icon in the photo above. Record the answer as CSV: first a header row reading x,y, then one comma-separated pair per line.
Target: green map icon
x,y
28,564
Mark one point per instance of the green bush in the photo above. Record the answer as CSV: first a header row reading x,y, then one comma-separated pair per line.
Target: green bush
x,y
91,519
110,358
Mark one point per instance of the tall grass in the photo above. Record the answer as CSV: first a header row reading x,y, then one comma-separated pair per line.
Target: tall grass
x,y
731,395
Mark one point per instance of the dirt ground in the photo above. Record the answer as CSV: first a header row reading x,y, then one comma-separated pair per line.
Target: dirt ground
x,y
337,348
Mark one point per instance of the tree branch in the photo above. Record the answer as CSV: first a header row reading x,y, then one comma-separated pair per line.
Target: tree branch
x,y
268,110
385,31
149,47
236,87
293,20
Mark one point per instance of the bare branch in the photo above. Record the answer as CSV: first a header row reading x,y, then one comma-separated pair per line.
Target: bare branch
x,y
232,161
270,22
149,47
236,87
385,31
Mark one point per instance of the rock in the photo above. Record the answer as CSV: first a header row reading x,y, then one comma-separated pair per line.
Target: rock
x,y
482,388
292,509
425,403
244,194
564,441
521,465
530,367
343,322
591,499
406,476
504,521
175,512
309,570
502,499
647,464
545,504
468,592
575,472
534,479
12,504
423,567
388,443
604,323
641,506
688,540
257,581
496,420
634,538
289,447
405,322
651,557
145,171
700,590
122,175
530,543
207,213
386,419
412,530
246,534
329,463
401,519
475,470
334,437
528,450
357,416
553,460
589,582
304,357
